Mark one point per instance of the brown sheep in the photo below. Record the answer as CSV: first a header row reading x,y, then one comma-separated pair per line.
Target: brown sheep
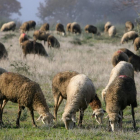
x,y
119,56
24,27
60,29
8,26
59,86
20,89
40,35
137,43
131,35
75,28
107,26
23,37
133,59
31,47
45,27
90,29
120,94
112,31
32,24
3,52
129,26
68,28
53,42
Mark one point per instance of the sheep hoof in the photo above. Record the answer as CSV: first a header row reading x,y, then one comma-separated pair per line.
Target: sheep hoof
x,y
34,125
17,126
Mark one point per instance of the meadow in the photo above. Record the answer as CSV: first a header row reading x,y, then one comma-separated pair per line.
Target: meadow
x,y
87,54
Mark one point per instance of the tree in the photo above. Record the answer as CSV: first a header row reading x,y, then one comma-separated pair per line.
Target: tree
x,y
8,7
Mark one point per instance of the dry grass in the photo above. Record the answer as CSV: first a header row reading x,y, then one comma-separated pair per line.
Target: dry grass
x,y
94,61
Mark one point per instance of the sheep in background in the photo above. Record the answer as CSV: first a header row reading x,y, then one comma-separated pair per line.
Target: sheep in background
x,y
53,42
137,43
3,52
19,89
40,35
32,24
23,37
107,26
80,92
112,31
129,26
119,56
75,28
133,59
31,47
8,26
68,28
60,29
121,93
131,35
24,27
44,27
122,68
90,29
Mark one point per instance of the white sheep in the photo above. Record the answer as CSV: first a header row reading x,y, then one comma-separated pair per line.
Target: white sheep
x,y
8,26
122,68
112,31
80,92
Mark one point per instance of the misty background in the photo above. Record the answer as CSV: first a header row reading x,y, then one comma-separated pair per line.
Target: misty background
x,y
65,11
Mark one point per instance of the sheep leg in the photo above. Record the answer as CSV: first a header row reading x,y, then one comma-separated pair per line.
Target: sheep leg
x,y
19,114
1,103
57,101
81,115
133,117
32,115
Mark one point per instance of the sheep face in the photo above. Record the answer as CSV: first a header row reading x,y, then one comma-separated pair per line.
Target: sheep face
x,y
99,113
114,120
69,121
46,118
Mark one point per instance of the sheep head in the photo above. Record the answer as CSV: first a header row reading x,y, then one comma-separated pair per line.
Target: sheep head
x,y
47,118
69,120
114,120
98,114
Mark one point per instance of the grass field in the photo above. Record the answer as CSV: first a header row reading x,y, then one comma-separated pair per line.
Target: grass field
x,y
86,54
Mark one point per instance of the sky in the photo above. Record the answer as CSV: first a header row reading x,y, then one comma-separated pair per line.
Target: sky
x,y
28,10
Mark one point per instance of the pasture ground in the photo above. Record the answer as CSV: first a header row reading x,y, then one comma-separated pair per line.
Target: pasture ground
x,y
84,54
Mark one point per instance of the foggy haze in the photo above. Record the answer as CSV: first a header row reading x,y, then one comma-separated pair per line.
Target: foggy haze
x,y
28,10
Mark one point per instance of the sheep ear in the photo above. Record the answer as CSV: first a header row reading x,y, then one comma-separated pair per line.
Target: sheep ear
x,y
39,118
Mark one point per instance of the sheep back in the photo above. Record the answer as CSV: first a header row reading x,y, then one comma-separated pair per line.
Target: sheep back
x,y
137,43
60,28
90,29
8,26
129,26
53,42
44,27
3,51
112,31
68,28
75,28
107,26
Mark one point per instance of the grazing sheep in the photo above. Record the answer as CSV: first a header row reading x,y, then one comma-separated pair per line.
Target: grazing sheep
x,y
23,37
19,89
112,31
120,94
122,68
60,29
107,26
137,43
80,92
31,47
44,27
24,27
53,42
129,26
75,28
68,28
8,26
3,52
119,56
133,59
90,29
131,35
98,112
59,84
40,35
32,24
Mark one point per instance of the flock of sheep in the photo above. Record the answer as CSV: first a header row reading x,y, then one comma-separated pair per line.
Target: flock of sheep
x,y
76,88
